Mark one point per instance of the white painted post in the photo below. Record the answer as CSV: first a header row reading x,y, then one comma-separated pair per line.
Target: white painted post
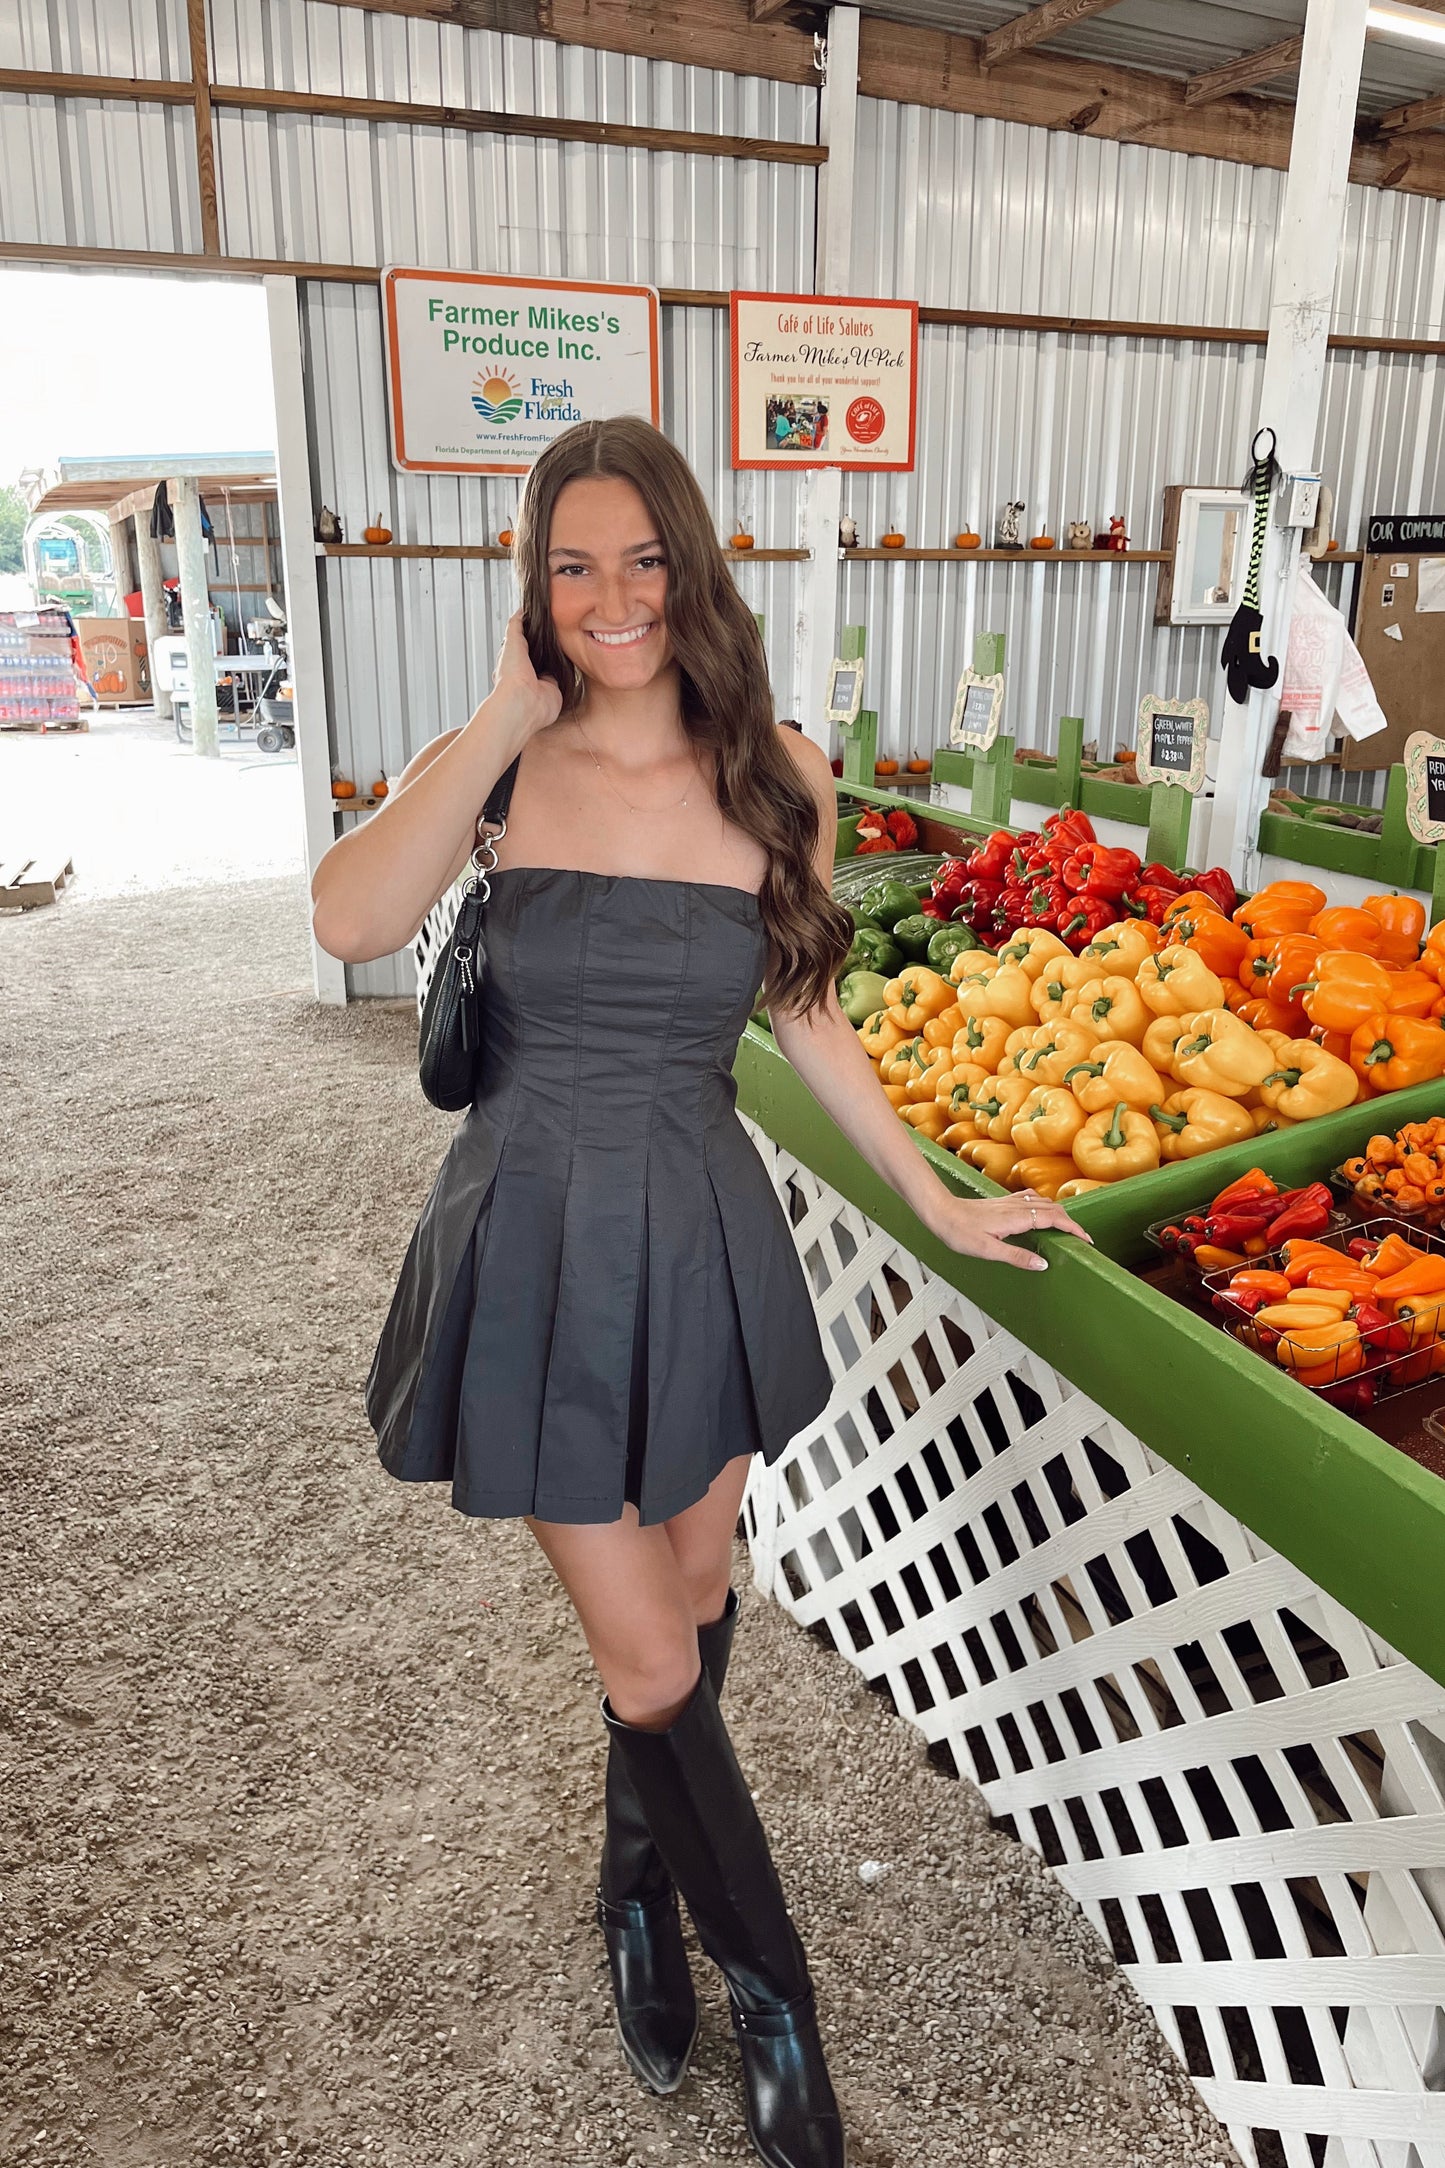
x,y
303,602
196,607
821,494
1307,251
152,590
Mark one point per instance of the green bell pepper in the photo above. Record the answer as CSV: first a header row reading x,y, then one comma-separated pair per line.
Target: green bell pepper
x,y
888,901
948,942
913,935
874,950
861,918
860,995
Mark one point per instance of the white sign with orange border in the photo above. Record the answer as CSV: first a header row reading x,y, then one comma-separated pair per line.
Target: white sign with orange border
x,y
484,371
820,382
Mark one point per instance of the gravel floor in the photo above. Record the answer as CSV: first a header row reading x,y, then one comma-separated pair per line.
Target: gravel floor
x,y
301,1770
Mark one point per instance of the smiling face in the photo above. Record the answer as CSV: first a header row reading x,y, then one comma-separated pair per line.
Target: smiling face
x,y
607,584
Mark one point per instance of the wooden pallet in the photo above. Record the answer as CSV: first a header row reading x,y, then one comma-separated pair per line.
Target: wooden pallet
x,y
27,882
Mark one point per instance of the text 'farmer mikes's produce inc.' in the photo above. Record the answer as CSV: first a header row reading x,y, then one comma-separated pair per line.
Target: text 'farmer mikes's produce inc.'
x,y
483,372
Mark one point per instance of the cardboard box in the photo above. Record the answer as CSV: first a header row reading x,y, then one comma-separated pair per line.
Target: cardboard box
x,y
116,661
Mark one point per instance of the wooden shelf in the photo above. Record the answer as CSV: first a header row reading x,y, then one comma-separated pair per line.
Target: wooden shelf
x,y
355,805
495,550
1023,556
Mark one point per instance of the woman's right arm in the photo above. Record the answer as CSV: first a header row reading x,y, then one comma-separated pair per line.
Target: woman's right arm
x,y
374,887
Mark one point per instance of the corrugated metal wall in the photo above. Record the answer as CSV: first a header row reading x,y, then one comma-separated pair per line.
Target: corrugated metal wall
x,y
958,212
981,214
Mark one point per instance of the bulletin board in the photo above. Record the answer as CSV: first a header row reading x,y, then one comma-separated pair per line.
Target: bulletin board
x,y
1400,633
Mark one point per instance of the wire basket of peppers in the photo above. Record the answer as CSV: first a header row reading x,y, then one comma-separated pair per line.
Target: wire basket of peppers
x,y
1353,1316
1401,1175
1245,1221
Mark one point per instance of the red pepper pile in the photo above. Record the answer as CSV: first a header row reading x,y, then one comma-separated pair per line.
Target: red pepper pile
x,y
1249,1218
1062,878
879,831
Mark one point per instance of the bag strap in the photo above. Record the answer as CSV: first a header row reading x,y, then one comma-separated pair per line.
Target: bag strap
x,y
494,812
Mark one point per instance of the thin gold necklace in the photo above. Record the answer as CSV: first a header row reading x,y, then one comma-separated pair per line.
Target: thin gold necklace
x,y
613,787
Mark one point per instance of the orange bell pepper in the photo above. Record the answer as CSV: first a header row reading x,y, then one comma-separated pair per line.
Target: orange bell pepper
x,y
1392,1256
1300,1255
1432,955
1341,926
1264,1016
1283,907
1402,926
1217,939
1254,1280
1193,903
1422,1276
1413,993
1391,1052
1343,989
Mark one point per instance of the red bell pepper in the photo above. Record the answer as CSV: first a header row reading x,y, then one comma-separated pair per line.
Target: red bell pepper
x,y
1090,915
1305,1214
1157,875
1356,1395
1381,1334
1148,901
1217,885
1071,827
990,860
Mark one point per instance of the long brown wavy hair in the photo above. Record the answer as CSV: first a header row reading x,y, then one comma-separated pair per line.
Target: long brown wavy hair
x,y
727,702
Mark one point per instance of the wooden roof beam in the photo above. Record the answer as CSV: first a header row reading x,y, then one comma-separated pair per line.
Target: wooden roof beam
x,y
1241,74
1403,119
1035,26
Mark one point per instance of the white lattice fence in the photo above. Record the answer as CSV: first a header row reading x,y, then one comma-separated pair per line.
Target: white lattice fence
x,y
1240,1783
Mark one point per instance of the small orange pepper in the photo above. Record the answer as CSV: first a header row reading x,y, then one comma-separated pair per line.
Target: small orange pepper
x,y
1402,926
1341,926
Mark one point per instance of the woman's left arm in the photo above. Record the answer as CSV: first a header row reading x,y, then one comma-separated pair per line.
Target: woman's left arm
x,y
824,1049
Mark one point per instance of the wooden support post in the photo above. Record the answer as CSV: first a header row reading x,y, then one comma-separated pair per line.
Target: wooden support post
x,y
152,590
1307,252
196,605
1171,809
1396,860
993,771
1071,757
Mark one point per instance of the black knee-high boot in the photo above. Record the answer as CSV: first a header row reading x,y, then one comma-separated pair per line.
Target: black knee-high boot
x,y
702,1816
637,1911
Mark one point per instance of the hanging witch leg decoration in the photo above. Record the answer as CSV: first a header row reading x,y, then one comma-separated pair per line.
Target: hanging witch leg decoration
x,y
1240,657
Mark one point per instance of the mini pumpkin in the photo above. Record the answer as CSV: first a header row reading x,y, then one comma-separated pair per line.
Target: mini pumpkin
x,y
740,542
968,540
917,766
343,787
885,767
505,538
893,540
1041,542
380,787
376,532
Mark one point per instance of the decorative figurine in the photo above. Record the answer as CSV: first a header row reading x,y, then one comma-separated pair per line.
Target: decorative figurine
x,y
328,526
1118,540
1007,537
848,532
1081,535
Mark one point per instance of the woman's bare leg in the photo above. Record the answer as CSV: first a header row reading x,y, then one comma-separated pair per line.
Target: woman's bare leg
x,y
641,1594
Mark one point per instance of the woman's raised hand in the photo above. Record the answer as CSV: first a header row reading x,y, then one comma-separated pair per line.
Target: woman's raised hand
x,y
536,700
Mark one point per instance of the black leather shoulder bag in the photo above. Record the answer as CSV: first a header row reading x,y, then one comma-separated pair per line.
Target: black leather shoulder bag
x,y
451,1012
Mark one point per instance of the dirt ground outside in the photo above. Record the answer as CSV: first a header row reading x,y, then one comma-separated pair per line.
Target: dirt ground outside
x,y
300,1771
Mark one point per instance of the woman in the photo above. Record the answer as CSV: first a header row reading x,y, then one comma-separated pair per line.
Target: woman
x,y
602,1316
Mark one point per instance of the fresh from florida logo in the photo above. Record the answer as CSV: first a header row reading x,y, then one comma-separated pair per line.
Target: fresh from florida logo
x,y
497,399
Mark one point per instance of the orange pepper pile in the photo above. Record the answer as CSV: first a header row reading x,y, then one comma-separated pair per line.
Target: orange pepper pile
x,y
1346,1323
1405,1172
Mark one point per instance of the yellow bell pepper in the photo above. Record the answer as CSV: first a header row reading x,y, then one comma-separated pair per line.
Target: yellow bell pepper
x,y
1176,981
1032,949
1006,994
939,1030
954,1086
1079,1186
879,1034
1115,1143
1017,1043
1195,1121
1223,1054
916,995
1055,1049
991,1159
995,1104
1114,1070
930,1120
1044,1171
1160,1040
1268,1119
1306,1081
1118,950
1114,1007
1048,1121
897,1065
1055,987
977,963
928,1065
981,1039
896,1094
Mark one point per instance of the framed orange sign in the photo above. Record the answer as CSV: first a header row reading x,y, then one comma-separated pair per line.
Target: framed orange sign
x,y
483,371
822,382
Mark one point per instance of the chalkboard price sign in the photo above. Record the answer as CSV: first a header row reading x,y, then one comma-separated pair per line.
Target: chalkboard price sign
x,y
1425,787
977,707
1171,738
845,693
